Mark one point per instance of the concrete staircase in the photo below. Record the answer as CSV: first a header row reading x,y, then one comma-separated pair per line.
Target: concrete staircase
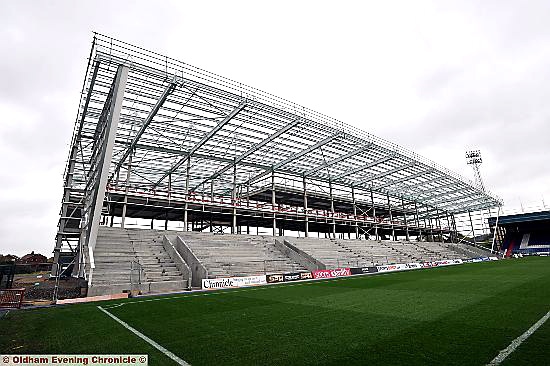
x,y
133,259
230,255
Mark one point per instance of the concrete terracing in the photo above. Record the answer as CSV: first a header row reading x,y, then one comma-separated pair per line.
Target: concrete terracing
x,y
237,255
118,250
332,253
173,260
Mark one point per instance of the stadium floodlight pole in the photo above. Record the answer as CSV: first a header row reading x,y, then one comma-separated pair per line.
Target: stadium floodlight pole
x,y
495,231
474,159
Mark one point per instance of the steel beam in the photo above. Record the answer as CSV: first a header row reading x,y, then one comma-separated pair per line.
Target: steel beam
x,y
338,159
253,149
385,173
205,138
366,166
403,179
169,90
298,155
112,123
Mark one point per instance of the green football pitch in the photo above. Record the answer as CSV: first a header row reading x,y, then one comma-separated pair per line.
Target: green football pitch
x,y
459,315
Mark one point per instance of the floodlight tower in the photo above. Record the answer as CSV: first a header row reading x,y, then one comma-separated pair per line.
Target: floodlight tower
x,y
473,158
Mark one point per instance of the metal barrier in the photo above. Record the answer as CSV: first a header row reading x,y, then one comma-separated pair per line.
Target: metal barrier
x,y
12,298
136,275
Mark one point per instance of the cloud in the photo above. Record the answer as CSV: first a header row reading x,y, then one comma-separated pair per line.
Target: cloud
x,y
438,78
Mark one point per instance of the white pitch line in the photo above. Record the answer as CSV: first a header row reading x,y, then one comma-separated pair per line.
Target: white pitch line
x,y
519,340
169,354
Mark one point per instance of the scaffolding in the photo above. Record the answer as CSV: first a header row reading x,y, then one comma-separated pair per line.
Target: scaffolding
x,y
158,139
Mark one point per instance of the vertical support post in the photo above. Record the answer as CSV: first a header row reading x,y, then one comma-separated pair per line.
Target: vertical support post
x,y
234,200
453,222
128,172
169,200
472,226
374,215
405,216
438,223
212,191
356,225
99,178
332,209
451,236
391,218
305,207
185,212
430,223
417,218
495,231
273,203
111,128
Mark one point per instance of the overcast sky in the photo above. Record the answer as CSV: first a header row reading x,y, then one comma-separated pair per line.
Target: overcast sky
x,y
437,77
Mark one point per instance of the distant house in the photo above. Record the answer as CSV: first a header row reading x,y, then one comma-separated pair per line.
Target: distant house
x,y
32,258
8,258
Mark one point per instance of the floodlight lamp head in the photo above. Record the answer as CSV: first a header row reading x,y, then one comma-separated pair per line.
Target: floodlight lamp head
x,y
473,157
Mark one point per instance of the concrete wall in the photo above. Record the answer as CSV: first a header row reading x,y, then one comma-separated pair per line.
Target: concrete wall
x,y
298,255
198,270
177,258
146,287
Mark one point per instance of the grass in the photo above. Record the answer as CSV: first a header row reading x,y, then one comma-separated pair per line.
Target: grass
x,y
461,315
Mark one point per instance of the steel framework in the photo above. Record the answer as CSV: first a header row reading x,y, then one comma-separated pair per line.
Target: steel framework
x,y
158,139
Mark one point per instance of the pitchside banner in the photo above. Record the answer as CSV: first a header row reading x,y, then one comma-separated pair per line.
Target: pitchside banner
x,y
363,270
274,278
331,273
216,283
446,262
291,277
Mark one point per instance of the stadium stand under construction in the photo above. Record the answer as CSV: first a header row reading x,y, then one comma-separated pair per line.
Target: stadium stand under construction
x,y
227,180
